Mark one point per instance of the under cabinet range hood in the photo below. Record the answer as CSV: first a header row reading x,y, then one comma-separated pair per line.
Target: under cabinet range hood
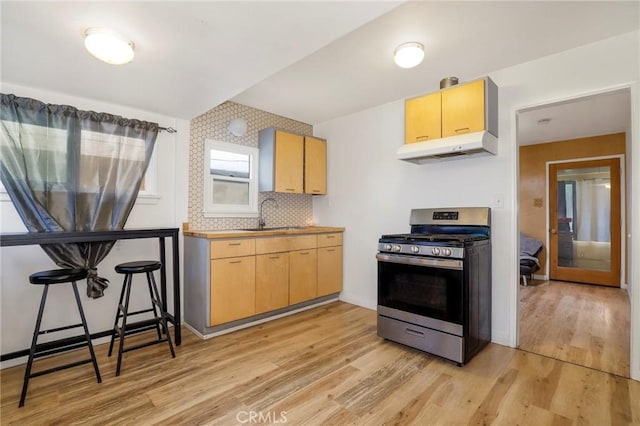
x,y
450,147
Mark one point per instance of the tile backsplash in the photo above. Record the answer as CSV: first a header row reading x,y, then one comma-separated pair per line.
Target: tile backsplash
x,y
291,209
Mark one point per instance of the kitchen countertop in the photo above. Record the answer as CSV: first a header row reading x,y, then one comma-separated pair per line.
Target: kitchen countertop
x,y
240,233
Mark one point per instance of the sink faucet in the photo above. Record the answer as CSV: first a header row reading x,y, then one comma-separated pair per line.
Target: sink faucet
x,y
261,222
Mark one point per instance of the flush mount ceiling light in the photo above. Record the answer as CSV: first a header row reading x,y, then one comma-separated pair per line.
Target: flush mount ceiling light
x,y
408,55
108,46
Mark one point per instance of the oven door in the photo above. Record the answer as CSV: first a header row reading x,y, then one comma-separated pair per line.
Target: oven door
x,y
423,286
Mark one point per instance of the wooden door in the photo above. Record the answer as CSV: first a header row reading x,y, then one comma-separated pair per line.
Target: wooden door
x,y
272,281
315,165
289,162
463,109
584,221
232,289
422,118
303,278
329,270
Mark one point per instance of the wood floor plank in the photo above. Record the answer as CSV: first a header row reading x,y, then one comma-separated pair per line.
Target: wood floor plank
x,y
325,366
579,323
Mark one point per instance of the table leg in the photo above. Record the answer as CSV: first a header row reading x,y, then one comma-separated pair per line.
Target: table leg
x,y
176,289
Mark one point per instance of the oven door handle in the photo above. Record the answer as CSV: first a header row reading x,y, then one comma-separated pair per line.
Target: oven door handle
x,y
420,261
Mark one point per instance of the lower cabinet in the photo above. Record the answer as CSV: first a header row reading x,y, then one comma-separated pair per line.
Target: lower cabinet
x,y
329,270
272,282
233,293
303,275
257,275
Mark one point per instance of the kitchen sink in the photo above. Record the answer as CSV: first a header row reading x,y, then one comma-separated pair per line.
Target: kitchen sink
x,y
278,228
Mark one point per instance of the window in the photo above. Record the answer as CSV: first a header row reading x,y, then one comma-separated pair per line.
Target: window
x,y
230,180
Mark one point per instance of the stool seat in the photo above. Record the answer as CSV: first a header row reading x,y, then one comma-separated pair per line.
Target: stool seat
x,y
58,276
138,267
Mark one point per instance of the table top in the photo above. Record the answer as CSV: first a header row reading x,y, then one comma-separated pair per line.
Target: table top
x,y
31,238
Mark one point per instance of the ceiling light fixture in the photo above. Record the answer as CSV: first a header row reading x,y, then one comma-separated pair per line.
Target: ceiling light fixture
x,y
108,46
408,55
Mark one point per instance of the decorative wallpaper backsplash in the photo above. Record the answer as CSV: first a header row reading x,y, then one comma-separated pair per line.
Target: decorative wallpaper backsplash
x,y
292,209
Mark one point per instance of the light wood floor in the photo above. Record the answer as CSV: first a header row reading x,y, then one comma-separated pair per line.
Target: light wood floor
x,y
325,366
583,324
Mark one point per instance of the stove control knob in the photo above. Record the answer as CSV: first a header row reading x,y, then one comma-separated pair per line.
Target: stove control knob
x,y
415,249
387,247
446,252
396,247
435,251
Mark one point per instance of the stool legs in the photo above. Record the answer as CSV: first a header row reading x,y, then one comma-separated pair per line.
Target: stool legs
x,y
159,320
34,351
163,316
125,311
86,332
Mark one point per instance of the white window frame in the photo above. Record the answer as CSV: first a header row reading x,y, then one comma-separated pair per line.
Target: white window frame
x,y
212,210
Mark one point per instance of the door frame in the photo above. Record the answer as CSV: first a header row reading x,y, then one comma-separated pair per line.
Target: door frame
x,y
623,218
634,246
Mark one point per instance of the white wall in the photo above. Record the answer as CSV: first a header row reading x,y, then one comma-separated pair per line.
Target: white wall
x,y
371,193
19,300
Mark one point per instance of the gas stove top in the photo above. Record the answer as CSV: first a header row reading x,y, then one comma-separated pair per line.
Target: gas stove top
x,y
440,233
425,238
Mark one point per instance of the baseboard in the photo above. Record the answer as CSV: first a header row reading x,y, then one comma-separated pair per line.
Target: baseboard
x,y
540,277
259,321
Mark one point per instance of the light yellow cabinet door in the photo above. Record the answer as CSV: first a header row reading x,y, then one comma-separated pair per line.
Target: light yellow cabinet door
x,y
463,109
233,292
329,270
422,118
272,281
303,278
289,162
315,165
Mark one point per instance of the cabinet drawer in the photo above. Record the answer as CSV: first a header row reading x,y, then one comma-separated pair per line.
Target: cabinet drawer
x,y
232,248
303,242
327,240
272,245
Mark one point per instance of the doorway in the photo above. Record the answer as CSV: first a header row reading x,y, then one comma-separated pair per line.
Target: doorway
x,y
559,317
585,221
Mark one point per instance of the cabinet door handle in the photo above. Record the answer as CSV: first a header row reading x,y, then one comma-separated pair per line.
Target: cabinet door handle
x,y
235,261
330,236
421,138
289,189
331,249
234,244
461,129
302,254
315,190
274,257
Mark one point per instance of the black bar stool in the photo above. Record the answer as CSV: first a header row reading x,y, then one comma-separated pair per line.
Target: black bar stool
x,y
47,278
159,314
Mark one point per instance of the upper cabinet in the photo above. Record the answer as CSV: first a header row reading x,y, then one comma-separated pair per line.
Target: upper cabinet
x,y
292,163
456,110
315,165
423,118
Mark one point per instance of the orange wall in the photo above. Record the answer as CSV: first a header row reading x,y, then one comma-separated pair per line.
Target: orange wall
x,y
532,189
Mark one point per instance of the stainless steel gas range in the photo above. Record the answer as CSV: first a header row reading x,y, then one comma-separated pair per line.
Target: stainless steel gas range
x,y
434,284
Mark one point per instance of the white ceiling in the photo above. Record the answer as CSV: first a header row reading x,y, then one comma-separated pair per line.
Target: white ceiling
x,y
311,61
579,118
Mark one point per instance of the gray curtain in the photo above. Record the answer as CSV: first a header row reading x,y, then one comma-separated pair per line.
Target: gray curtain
x,y
71,170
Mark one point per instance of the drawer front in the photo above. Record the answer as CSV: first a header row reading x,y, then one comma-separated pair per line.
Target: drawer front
x,y
232,248
303,242
272,245
328,240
